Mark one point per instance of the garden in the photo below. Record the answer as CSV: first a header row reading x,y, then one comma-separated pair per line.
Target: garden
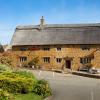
x,y
21,85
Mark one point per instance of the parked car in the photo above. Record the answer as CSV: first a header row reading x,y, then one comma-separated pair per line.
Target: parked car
x,y
93,71
84,69
88,70
98,70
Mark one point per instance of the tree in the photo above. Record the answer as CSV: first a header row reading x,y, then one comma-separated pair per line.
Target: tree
x,y
34,62
6,59
1,48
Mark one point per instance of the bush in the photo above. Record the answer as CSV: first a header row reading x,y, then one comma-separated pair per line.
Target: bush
x,y
42,88
4,95
15,83
23,82
33,62
25,74
6,59
89,65
4,68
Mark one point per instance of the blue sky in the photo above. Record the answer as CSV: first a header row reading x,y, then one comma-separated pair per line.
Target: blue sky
x,y
28,12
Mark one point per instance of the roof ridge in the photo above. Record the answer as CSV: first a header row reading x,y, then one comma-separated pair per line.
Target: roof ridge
x,y
59,25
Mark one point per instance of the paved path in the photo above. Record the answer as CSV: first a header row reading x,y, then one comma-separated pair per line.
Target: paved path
x,y
71,87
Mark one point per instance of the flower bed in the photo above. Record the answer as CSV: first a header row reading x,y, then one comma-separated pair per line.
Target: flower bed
x,y
23,82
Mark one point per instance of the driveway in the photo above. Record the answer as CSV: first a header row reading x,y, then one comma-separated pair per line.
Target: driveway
x,y
71,87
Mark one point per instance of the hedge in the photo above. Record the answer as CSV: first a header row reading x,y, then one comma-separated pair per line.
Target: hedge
x,y
14,83
23,82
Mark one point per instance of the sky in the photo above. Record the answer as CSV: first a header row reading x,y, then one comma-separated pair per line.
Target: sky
x,y
29,12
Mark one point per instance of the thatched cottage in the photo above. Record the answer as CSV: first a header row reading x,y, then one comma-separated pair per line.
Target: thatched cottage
x,y
58,46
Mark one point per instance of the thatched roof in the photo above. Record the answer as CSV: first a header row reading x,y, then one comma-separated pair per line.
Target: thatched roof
x,y
57,34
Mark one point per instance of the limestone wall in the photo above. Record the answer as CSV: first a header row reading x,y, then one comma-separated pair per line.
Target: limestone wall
x,y
69,51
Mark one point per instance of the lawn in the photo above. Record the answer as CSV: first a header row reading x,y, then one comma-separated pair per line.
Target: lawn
x,y
30,96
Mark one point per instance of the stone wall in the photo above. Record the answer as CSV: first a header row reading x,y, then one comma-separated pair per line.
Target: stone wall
x,y
68,51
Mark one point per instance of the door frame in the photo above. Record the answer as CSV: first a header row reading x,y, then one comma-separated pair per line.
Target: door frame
x,y
68,64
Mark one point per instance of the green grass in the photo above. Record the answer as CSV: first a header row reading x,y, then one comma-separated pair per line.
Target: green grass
x,y
30,96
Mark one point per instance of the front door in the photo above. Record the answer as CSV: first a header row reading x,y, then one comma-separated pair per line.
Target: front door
x,y
68,64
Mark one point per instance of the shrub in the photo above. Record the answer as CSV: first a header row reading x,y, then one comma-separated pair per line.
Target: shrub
x,y
25,74
42,88
4,95
6,59
34,62
5,68
89,65
15,83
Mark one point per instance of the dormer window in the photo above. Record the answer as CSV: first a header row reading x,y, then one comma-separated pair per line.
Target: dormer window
x,y
58,48
23,49
85,47
46,49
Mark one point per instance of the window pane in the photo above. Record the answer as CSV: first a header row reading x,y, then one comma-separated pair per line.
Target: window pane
x,y
46,59
23,49
85,60
85,47
58,48
22,59
46,48
58,60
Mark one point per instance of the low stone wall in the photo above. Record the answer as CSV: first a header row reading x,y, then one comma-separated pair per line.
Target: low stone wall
x,y
86,74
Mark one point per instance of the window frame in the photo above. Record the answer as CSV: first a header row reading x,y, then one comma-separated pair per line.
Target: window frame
x,y
85,47
58,60
46,59
46,48
23,59
58,48
23,49
85,60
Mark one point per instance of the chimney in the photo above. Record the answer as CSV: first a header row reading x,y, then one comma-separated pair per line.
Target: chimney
x,y
42,21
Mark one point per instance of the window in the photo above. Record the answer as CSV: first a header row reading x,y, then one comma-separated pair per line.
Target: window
x,y
46,48
85,60
85,47
46,59
23,49
58,60
23,59
58,48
